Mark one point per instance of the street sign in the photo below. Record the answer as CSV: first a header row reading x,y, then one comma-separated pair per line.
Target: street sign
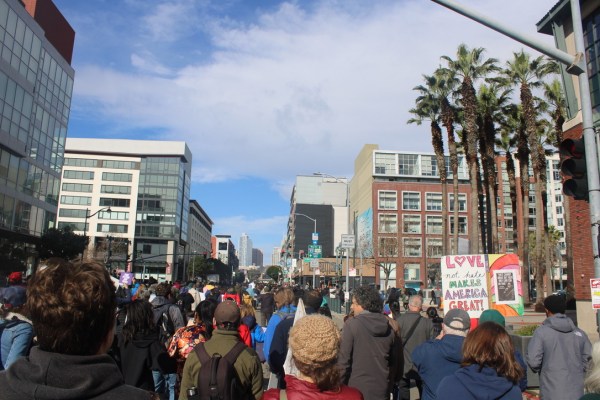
x,y
314,264
348,241
307,259
315,237
314,251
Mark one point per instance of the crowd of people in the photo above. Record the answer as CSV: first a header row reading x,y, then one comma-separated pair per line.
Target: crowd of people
x,y
70,333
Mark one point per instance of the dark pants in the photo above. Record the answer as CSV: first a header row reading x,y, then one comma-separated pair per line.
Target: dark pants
x,y
404,385
266,317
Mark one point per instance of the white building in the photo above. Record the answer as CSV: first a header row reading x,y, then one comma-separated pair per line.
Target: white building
x,y
131,197
245,250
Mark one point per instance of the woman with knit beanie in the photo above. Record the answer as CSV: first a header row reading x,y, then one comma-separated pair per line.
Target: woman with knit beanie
x,y
315,343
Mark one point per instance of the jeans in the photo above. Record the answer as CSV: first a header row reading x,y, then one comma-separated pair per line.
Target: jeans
x,y
164,383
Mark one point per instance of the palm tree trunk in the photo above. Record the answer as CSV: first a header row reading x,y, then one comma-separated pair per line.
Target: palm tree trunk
x,y
470,115
448,122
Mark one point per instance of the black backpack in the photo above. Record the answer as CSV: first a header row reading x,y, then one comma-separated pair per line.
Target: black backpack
x,y
218,379
166,327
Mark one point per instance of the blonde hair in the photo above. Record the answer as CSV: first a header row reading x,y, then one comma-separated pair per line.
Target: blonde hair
x,y
246,310
592,381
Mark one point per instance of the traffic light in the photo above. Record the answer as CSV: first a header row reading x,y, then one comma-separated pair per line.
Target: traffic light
x,y
573,168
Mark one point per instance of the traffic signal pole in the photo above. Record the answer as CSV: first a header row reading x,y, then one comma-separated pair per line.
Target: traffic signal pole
x,y
576,65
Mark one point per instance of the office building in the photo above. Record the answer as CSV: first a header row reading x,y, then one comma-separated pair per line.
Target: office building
x,y
224,251
245,250
257,257
133,192
199,233
36,84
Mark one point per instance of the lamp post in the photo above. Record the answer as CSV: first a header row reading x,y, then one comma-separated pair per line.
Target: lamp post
x,y
88,215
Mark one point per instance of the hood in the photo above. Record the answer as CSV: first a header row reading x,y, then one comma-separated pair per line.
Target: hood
x,y
451,348
375,323
484,384
143,340
159,301
249,321
46,376
560,323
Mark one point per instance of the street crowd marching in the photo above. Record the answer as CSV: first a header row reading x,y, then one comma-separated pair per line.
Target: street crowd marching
x,y
69,333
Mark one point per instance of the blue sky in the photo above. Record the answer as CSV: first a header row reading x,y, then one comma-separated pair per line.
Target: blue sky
x,y
264,90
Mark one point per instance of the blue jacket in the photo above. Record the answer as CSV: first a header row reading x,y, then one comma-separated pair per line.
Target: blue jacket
x,y
474,383
436,359
15,341
283,312
256,332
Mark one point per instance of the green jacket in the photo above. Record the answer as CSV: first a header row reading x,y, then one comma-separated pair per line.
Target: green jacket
x,y
248,365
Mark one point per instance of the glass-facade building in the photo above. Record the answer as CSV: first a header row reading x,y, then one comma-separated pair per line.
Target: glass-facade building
x,y
36,84
146,185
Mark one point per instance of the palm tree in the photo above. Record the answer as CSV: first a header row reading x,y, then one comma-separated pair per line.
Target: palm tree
x,y
492,104
427,108
470,66
529,73
446,84
511,130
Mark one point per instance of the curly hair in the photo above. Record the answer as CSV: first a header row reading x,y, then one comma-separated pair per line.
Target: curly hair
x,y
368,298
139,320
284,296
72,307
490,345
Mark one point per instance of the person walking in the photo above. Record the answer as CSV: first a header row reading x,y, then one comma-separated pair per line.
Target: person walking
x,y
414,330
267,304
370,357
440,357
560,352
16,336
489,368
315,342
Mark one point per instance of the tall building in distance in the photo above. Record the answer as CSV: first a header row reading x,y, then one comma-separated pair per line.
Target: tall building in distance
x,y
245,250
36,84
224,251
257,257
131,197
200,233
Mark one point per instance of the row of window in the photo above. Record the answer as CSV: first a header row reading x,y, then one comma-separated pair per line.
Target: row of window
x,y
80,213
93,163
414,165
412,224
105,228
89,175
388,200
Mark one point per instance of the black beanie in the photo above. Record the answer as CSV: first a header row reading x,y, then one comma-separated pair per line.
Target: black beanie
x,y
555,304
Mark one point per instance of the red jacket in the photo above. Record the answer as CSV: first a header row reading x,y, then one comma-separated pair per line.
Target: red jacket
x,y
302,390
245,335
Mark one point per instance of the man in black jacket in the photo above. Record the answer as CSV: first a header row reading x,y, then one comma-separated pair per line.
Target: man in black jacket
x,y
370,357
73,310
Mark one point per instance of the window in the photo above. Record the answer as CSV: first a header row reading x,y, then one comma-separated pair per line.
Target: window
x,y
72,213
411,223
117,177
388,223
411,201
558,198
77,187
113,202
434,248
113,215
120,164
508,223
559,209
74,226
412,272
112,228
560,222
407,164
70,174
462,202
433,201
388,200
429,166
388,247
412,247
115,189
462,225
434,224
81,162
76,200
385,163
222,246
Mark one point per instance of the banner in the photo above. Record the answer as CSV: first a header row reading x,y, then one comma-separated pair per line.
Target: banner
x,y
464,283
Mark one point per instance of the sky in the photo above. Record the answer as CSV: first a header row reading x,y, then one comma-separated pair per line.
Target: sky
x,y
264,90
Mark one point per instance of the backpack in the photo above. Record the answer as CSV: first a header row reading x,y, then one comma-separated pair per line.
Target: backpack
x,y
218,379
166,327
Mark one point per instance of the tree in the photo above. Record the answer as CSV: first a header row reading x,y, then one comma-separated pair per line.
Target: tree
x,y
199,267
527,73
273,272
427,108
62,243
470,66
387,251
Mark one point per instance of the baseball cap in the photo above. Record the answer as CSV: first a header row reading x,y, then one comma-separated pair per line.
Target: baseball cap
x,y
227,311
13,296
457,319
492,315
15,277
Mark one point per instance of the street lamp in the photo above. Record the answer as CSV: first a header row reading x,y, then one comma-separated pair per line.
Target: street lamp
x,y
339,180
312,219
88,215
